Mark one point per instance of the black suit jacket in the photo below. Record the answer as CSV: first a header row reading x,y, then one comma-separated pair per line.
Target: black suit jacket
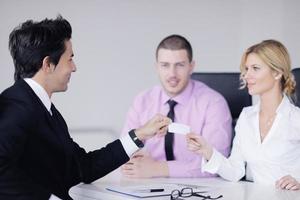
x,y
37,155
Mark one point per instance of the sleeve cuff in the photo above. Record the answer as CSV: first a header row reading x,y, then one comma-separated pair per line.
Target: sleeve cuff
x,y
213,165
128,145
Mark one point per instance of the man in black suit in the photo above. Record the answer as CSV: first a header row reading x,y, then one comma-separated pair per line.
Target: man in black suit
x,y
38,158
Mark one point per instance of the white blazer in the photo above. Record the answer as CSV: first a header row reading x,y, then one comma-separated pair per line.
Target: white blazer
x,y
262,162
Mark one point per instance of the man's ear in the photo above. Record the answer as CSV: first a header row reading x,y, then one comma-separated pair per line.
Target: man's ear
x,y
192,66
47,66
156,66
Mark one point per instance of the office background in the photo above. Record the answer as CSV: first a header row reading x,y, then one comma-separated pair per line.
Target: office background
x,y
114,44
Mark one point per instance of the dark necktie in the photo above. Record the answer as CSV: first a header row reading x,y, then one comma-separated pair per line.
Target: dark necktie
x,y
56,118
53,111
169,138
59,124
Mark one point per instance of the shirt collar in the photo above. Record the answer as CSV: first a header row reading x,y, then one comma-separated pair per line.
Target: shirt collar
x,y
40,92
181,98
283,108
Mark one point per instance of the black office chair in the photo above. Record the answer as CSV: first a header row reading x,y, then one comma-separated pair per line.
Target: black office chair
x,y
227,84
296,73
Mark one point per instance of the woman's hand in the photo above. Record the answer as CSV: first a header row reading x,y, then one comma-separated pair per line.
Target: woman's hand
x,y
288,183
197,144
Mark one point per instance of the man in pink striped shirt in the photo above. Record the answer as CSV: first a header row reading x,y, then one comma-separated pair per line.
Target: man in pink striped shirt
x,y
197,105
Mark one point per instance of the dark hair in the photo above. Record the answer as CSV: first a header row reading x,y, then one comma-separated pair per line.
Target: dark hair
x,y
176,42
31,42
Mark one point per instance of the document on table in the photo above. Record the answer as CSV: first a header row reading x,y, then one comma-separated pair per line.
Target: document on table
x,y
153,190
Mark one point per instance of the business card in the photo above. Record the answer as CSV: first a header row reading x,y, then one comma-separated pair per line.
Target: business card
x,y
179,128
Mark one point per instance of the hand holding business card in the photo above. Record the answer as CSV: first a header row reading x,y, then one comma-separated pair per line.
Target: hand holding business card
x,y
179,128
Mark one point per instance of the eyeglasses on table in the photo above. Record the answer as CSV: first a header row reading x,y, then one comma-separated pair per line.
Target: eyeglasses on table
x,y
188,192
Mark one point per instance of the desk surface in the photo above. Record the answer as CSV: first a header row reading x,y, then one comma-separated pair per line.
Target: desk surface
x,y
229,190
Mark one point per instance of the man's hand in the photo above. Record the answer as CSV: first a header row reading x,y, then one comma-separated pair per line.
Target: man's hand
x,y
288,183
142,165
197,144
157,125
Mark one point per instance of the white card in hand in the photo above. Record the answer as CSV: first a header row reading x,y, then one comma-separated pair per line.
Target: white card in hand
x,y
179,128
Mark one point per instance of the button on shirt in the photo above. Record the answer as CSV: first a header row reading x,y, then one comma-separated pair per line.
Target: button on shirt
x,y
199,107
267,161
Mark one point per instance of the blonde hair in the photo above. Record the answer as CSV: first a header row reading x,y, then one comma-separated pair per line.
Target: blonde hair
x,y
275,55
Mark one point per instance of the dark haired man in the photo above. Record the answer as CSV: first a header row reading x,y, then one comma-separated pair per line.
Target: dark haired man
x,y
186,101
38,158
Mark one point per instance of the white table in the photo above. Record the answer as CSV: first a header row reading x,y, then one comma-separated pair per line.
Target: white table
x,y
230,191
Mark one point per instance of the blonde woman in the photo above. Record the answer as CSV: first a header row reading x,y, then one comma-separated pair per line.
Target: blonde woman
x,y
266,147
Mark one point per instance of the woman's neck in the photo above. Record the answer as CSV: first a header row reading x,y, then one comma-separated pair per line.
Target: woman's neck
x,y
269,103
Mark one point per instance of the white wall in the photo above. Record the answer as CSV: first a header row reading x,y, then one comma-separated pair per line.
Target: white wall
x,y
114,43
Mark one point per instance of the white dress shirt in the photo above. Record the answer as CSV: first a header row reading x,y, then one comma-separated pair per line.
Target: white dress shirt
x,y
129,146
40,92
262,162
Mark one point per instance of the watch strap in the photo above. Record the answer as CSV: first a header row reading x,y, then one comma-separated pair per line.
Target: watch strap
x,y
135,139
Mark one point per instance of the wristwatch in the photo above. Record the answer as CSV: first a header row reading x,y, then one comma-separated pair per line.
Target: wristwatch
x,y
135,139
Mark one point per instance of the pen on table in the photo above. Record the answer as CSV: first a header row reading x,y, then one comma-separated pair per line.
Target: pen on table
x,y
150,190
